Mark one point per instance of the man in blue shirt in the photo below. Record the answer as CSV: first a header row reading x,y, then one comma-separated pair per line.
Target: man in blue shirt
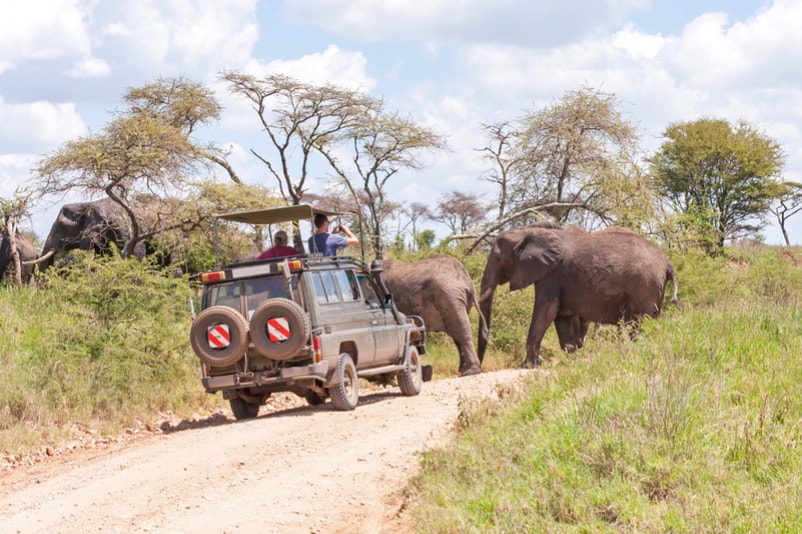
x,y
326,242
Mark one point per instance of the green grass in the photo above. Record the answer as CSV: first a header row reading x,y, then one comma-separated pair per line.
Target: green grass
x,y
693,428
97,349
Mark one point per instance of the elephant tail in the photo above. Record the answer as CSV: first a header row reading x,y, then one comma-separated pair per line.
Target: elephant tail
x,y
673,275
484,330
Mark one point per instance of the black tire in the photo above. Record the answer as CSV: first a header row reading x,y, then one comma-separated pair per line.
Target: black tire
x,y
292,317
313,398
204,328
345,394
243,409
410,379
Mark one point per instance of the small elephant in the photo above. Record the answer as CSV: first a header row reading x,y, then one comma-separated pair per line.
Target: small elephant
x,y
88,226
605,277
27,255
440,290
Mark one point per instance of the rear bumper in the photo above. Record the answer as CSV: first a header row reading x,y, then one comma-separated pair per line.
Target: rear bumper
x,y
286,375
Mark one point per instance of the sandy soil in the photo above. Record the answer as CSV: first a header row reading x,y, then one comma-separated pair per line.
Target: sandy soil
x,y
295,468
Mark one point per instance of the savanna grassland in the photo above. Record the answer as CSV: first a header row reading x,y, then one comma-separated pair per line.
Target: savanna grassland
x,y
695,427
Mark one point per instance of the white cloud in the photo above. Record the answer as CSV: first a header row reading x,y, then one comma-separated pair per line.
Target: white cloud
x,y
38,124
335,66
89,68
637,45
195,37
42,30
761,51
14,171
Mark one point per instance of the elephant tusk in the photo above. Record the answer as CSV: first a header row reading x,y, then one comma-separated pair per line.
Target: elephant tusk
x,y
38,260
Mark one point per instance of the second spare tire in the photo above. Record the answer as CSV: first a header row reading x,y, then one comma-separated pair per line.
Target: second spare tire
x,y
279,329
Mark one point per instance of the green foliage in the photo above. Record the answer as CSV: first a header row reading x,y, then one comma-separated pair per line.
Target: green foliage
x,y
574,159
721,177
424,240
102,343
693,428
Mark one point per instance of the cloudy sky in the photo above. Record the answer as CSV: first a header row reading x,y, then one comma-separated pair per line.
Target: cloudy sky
x,y
450,64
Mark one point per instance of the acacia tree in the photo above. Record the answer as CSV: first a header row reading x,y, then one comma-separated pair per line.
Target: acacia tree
x,y
185,105
789,203
299,120
497,151
461,212
380,145
570,155
720,178
147,154
416,211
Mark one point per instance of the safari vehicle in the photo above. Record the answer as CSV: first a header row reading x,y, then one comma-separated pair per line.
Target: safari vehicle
x,y
308,324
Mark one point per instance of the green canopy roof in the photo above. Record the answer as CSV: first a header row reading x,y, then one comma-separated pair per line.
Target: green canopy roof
x,y
277,215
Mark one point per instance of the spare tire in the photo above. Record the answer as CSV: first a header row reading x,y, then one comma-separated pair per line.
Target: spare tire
x,y
279,329
219,336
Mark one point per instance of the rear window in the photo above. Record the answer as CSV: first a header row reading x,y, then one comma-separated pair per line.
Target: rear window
x,y
255,291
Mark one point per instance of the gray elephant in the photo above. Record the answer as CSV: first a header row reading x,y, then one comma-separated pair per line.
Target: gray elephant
x,y
440,290
88,226
604,277
27,254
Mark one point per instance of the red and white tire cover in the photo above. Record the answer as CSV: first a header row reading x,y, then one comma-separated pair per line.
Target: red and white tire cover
x,y
219,336
279,328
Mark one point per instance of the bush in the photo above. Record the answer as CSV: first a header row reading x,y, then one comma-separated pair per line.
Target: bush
x,y
101,343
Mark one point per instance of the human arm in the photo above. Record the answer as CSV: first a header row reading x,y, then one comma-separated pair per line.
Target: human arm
x,y
348,234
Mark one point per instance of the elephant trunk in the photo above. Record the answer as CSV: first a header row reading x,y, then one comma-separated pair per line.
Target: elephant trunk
x,y
485,311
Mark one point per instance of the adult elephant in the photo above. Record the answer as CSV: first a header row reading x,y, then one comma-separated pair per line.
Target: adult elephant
x,y
440,290
88,226
27,255
604,277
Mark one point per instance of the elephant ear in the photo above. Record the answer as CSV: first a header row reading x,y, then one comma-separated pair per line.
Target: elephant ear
x,y
535,256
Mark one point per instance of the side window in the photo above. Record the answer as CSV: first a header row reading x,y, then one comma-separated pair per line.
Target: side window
x,y
371,297
349,287
320,290
325,287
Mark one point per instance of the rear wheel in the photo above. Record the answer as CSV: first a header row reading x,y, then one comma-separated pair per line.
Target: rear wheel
x,y
411,378
313,398
243,409
345,394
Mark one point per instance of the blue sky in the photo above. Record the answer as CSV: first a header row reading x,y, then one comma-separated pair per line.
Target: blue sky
x,y
449,64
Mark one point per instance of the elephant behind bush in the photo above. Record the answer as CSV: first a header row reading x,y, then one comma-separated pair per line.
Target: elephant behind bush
x,y
440,290
27,254
88,226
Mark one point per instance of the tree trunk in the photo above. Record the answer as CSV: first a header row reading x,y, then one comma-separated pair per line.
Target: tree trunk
x,y
11,227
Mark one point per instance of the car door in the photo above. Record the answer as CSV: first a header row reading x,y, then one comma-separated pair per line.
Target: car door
x,y
342,315
385,330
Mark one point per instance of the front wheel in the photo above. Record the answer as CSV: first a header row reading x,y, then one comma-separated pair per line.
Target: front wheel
x,y
345,394
243,409
411,378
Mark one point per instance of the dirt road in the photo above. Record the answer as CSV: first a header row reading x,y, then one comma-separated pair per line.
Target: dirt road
x,y
298,469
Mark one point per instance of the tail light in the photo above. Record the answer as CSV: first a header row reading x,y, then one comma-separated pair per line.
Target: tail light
x,y
317,353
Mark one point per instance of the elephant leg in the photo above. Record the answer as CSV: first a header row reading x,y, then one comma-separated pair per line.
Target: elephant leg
x,y
467,365
459,328
571,331
545,312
